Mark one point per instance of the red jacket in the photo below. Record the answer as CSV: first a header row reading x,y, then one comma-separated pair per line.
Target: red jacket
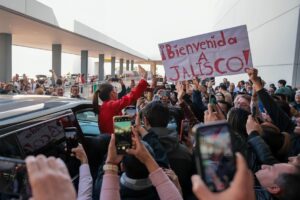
x,y
112,108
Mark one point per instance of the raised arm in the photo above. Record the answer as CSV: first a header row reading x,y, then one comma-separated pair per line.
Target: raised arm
x,y
278,116
135,93
164,186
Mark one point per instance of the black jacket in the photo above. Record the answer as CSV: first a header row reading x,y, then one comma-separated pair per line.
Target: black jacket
x,y
146,194
278,116
262,194
180,159
261,149
281,120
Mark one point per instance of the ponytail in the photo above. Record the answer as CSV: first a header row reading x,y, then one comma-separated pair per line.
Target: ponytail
x,y
96,101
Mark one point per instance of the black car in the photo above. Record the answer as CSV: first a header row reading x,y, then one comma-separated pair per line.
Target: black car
x,y
32,125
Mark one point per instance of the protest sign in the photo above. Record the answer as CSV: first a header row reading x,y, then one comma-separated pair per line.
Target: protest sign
x,y
212,54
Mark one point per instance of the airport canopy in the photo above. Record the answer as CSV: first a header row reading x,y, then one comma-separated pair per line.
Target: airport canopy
x,y
34,25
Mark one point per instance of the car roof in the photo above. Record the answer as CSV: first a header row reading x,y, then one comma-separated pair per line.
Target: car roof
x,y
17,108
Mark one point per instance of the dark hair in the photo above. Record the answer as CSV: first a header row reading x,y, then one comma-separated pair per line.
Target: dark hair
x,y
272,85
289,185
228,105
134,168
282,82
103,93
275,141
157,114
74,86
223,86
281,97
276,97
59,82
237,119
285,107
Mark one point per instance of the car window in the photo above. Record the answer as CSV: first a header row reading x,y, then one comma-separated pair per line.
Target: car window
x,y
88,122
34,139
43,136
9,147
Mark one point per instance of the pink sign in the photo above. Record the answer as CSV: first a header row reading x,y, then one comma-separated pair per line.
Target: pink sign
x,y
219,53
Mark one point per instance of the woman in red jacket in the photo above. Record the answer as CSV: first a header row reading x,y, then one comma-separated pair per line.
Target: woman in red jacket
x,y
112,106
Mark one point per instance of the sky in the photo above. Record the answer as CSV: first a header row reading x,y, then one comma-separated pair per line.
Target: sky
x,y
138,24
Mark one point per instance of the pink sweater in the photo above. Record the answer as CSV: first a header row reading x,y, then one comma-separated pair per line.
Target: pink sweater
x,y
165,188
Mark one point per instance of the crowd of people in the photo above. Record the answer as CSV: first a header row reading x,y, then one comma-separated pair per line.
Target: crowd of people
x,y
265,124
43,85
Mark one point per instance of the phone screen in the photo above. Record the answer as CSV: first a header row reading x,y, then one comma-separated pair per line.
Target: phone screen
x,y
14,182
71,138
156,98
122,129
131,111
185,128
213,99
253,111
216,162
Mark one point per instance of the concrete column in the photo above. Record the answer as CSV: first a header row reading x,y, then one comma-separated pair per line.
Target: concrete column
x,y
56,58
5,57
113,66
101,67
132,63
121,66
84,63
127,65
296,68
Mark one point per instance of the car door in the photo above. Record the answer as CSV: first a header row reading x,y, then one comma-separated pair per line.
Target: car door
x,y
44,135
95,143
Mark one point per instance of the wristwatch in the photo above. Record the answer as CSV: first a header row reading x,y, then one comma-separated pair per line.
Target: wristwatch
x,y
110,167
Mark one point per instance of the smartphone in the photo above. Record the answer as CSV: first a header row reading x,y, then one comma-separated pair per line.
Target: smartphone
x,y
253,111
14,182
156,97
184,129
130,110
212,99
168,86
215,160
71,138
122,129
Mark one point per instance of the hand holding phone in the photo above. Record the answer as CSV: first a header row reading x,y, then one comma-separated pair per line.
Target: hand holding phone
x,y
13,172
253,112
122,129
71,138
184,129
215,159
213,99
241,187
